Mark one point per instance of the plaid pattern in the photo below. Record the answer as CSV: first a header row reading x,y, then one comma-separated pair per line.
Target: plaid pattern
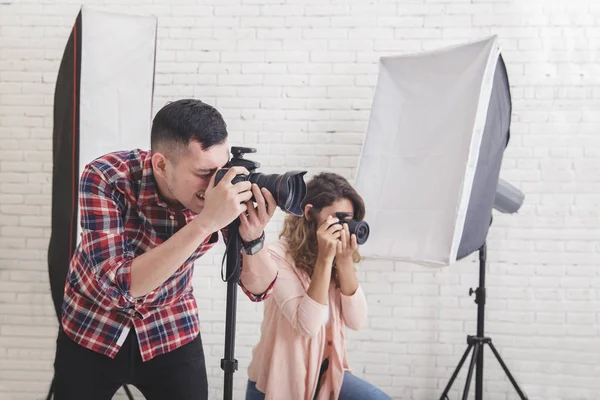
x,y
122,216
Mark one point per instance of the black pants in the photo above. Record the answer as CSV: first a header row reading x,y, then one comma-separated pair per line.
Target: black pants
x,y
83,374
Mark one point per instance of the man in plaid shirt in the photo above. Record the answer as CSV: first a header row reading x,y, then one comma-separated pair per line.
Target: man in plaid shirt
x,y
129,315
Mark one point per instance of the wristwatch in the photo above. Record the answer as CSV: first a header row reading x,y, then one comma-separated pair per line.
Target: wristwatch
x,y
253,247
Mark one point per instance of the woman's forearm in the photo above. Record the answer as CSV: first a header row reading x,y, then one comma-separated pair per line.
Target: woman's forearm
x,y
347,276
318,289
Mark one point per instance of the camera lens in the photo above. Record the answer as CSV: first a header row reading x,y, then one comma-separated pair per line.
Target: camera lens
x,y
360,229
288,189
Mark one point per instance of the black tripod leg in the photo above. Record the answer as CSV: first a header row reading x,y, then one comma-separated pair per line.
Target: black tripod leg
x,y
471,368
228,363
456,371
129,395
507,372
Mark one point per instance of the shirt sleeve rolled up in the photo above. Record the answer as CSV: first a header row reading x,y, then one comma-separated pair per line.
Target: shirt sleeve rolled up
x,y
107,251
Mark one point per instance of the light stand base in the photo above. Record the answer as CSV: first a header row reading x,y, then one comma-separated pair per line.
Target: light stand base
x,y
477,343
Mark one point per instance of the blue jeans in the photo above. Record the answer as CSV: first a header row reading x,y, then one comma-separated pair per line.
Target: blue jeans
x,y
353,388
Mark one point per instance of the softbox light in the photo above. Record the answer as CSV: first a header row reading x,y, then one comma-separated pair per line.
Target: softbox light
x,y
430,164
102,103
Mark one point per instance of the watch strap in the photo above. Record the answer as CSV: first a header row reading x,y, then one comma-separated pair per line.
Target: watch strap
x,y
248,246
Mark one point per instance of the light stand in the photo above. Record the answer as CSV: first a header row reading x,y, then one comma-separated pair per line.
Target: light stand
x,y
228,363
476,343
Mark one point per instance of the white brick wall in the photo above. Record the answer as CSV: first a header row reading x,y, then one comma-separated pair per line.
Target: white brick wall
x,y
295,79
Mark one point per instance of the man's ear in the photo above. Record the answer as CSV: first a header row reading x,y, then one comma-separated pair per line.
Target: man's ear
x,y
159,164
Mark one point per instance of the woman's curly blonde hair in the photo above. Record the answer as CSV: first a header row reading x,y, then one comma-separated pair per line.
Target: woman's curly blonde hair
x,y
322,190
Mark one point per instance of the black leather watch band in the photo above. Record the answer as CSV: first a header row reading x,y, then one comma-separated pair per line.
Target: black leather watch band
x,y
249,246
246,244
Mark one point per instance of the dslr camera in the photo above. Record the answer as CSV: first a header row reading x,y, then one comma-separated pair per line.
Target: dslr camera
x,y
358,228
288,189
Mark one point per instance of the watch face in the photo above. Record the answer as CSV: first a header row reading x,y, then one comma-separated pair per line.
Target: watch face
x,y
256,248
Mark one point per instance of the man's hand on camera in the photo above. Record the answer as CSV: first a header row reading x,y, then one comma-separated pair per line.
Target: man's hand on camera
x,y
256,218
224,202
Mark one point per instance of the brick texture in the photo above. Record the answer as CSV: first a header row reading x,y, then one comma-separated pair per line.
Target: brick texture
x,y
295,80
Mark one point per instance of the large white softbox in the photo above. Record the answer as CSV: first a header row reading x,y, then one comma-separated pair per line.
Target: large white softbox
x,y
430,163
102,103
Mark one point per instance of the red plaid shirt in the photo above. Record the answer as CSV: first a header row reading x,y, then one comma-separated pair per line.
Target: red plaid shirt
x,y
122,216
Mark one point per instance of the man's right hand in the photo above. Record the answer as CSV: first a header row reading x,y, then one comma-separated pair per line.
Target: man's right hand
x,y
224,202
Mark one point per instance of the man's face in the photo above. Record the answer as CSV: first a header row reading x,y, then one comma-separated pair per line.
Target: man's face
x,y
188,178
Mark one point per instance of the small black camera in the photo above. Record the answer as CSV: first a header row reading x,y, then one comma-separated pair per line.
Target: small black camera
x,y
288,189
359,228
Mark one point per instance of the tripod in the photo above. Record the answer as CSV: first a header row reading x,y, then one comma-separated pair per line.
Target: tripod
x,y
228,363
476,343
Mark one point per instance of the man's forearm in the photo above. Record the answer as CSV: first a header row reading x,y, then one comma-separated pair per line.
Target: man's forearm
x,y
152,269
258,271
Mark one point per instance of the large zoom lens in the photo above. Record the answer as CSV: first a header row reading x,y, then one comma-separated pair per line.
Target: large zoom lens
x,y
288,189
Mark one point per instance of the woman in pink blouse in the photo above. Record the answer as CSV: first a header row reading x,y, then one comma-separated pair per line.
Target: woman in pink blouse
x,y
302,353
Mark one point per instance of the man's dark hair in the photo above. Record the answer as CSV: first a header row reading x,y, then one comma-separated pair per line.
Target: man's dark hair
x,y
181,121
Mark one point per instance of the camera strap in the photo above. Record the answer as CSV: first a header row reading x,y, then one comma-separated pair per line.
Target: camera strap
x,y
324,367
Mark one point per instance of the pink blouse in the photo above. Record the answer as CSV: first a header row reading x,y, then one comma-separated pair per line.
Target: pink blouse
x,y
296,331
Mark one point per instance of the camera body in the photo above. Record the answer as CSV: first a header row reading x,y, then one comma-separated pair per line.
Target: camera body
x,y
238,160
288,189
